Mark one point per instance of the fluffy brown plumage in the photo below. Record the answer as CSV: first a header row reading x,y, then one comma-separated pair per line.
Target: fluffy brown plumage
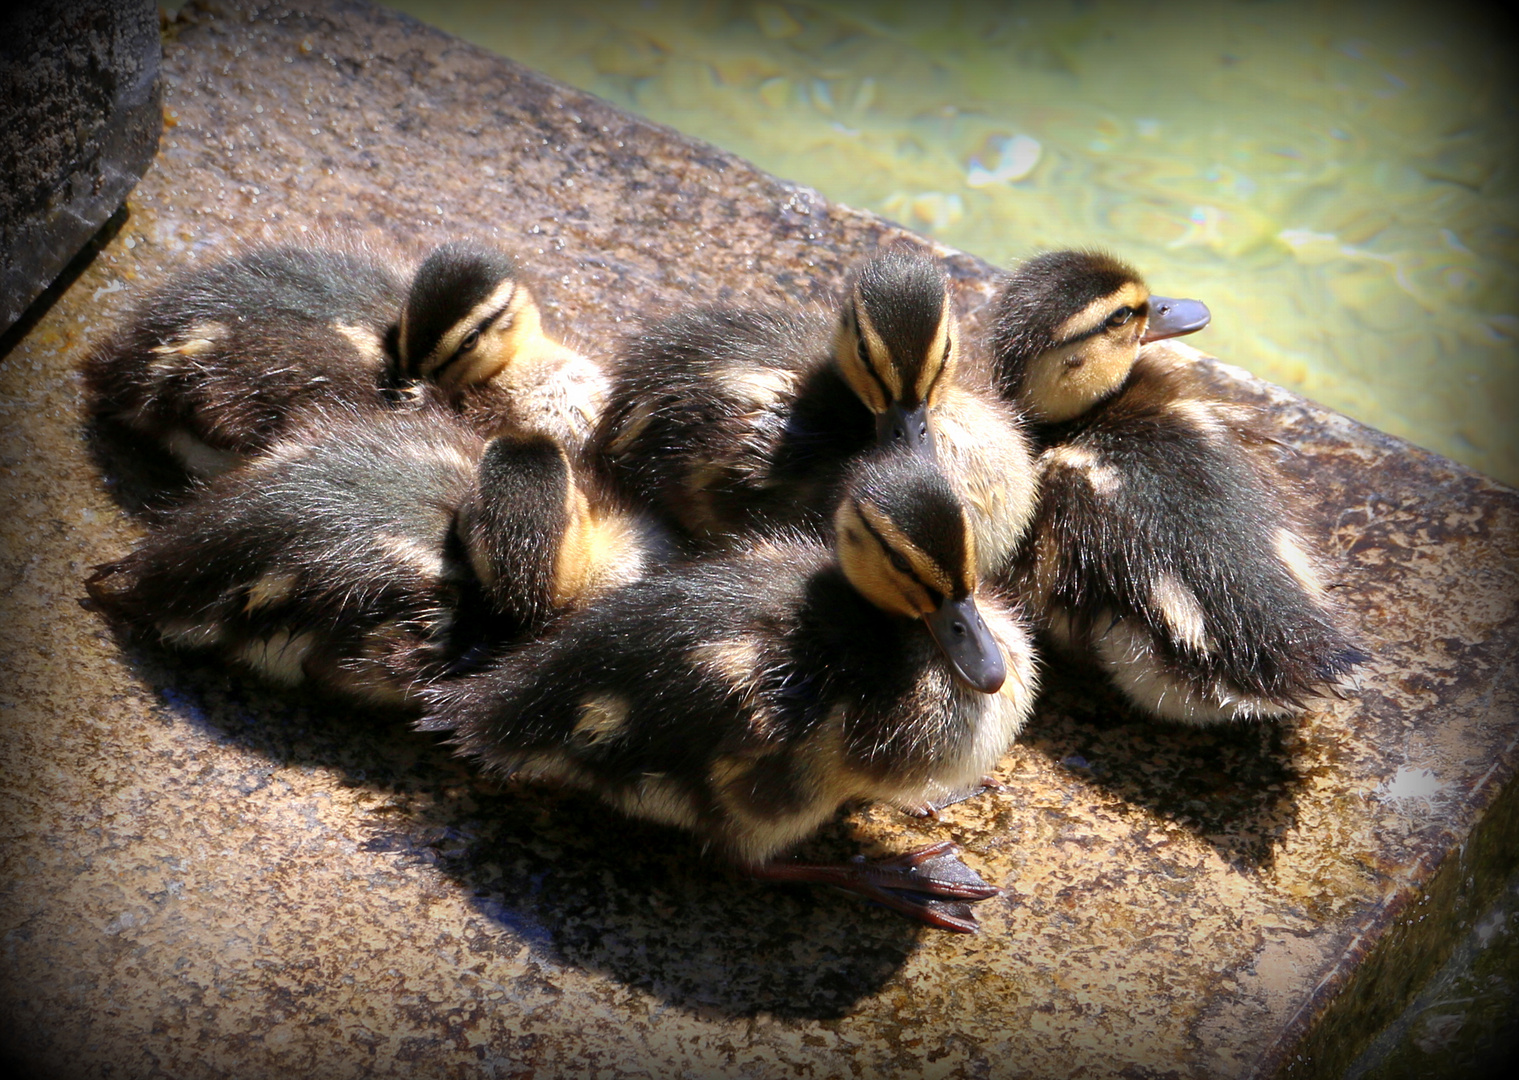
x,y
371,554
211,366
732,419
1164,548
214,366
745,698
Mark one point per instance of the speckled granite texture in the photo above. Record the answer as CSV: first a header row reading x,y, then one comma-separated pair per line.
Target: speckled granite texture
x,y
206,878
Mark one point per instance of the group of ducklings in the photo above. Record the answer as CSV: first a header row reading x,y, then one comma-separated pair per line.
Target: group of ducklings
x,y
768,562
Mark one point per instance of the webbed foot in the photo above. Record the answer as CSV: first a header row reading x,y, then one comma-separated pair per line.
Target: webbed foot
x,y
930,885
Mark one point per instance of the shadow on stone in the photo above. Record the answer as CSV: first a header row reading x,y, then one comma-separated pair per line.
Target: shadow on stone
x,y
1234,785
580,883
644,905
63,281
140,477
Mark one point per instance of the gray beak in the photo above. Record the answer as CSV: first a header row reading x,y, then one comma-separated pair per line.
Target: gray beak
x,y
967,644
1173,318
907,429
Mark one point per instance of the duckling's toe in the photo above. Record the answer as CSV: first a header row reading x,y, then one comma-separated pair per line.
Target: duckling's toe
x,y
407,395
930,885
930,806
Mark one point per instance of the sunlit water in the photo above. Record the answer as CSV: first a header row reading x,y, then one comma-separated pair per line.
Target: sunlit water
x,y
1337,181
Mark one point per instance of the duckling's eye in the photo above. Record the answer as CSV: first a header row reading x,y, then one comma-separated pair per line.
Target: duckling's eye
x,y
899,562
1121,316
471,339
860,350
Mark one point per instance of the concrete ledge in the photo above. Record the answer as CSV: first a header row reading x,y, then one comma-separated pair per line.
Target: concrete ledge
x,y
204,878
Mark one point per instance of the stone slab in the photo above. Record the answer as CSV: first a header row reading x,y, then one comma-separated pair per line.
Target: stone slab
x,y
205,878
80,101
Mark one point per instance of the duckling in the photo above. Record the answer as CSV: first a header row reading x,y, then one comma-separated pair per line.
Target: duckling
x,y
731,419
213,366
1164,548
471,325
370,554
746,697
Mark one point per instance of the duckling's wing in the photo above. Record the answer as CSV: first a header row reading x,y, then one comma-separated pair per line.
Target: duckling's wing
x,y
1155,511
617,685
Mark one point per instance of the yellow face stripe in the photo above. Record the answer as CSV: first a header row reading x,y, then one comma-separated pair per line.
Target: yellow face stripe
x,y
516,337
1090,361
499,300
878,356
1131,294
943,356
859,377
867,565
922,568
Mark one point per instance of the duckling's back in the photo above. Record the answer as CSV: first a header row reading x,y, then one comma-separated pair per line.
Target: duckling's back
x,y
1164,544
743,698
728,418
212,366
332,558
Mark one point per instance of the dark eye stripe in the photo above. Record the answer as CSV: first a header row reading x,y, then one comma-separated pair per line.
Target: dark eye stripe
x,y
485,325
894,555
444,366
863,352
1104,326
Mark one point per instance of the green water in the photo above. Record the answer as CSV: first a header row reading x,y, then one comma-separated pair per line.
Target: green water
x,y
1338,182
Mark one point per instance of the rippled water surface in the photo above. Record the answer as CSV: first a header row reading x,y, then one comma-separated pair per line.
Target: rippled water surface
x,y
1337,181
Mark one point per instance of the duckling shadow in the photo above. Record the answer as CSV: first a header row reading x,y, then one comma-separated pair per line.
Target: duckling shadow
x,y
140,476
643,905
579,884
1234,785
368,748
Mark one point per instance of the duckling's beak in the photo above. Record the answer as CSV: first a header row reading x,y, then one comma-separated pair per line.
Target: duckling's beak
x,y
1173,318
900,426
967,644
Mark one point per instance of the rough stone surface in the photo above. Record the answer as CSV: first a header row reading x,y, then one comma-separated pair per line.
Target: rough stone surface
x,y
205,878
80,112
